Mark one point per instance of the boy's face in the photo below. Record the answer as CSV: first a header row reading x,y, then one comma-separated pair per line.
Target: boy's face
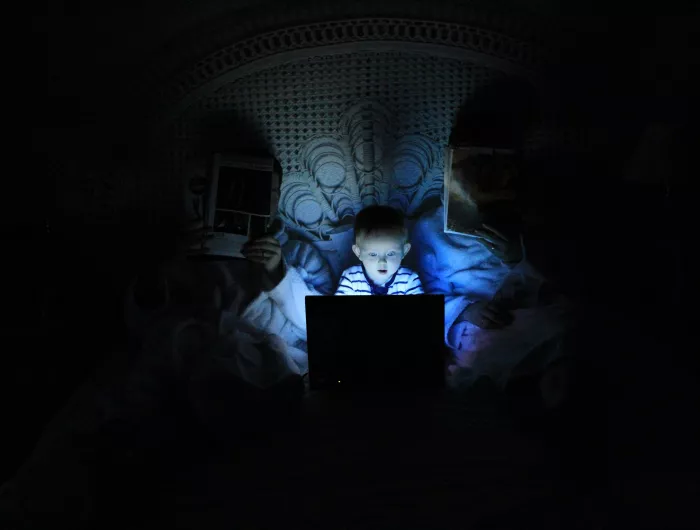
x,y
381,254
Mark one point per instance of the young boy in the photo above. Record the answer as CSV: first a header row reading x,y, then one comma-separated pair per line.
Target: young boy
x,y
381,243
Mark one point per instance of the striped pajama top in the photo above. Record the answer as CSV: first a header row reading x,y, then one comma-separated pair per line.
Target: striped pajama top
x,y
354,281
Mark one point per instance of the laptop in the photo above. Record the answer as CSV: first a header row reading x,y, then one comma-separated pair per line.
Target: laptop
x,y
376,343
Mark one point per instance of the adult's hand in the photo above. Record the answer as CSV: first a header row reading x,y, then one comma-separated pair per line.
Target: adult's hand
x,y
507,250
267,252
486,315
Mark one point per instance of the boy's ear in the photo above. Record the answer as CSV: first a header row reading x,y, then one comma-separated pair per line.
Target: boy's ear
x,y
406,248
356,250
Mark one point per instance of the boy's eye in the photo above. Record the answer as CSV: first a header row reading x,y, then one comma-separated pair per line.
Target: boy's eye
x,y
373,254
391,253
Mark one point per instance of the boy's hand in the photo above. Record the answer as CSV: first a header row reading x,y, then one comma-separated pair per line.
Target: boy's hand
x,y
500,246
486,315
266,251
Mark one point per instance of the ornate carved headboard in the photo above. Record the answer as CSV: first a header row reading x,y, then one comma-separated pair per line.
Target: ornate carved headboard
x,y
356,112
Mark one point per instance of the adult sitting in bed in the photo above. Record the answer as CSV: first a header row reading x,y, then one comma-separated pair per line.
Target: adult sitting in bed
x,y
497,317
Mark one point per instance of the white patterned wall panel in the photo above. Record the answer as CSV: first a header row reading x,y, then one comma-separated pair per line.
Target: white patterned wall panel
x,y
350,130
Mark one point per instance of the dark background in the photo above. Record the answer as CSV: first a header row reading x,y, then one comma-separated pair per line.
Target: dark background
x,y
619,244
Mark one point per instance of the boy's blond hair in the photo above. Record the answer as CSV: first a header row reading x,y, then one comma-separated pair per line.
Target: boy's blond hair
x,y
380,220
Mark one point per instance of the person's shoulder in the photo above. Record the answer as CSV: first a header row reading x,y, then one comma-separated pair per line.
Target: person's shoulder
x,y
353,271
405,272
353,281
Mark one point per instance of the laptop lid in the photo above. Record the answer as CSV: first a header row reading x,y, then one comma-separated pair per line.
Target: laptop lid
x,y
376,342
